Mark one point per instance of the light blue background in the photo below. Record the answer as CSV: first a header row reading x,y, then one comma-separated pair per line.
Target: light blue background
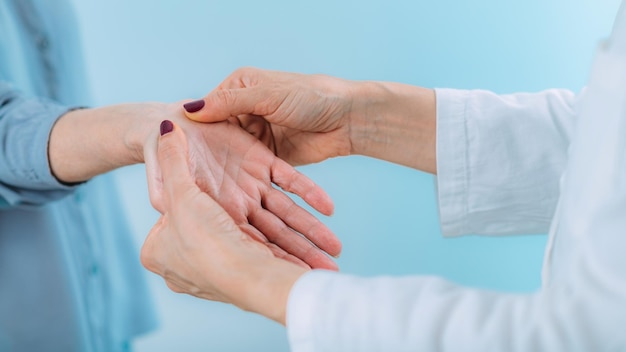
x,y
386,215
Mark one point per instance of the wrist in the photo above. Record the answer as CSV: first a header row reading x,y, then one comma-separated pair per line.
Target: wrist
x,y
143,121
268,291
367,105
394,122
88,142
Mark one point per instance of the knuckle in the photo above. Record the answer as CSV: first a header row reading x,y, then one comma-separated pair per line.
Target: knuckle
x,y
225,97
267,106
169,152
245,71
247,77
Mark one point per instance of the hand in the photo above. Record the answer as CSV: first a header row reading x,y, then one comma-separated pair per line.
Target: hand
x,y
302,118
309,118
199,249
238,171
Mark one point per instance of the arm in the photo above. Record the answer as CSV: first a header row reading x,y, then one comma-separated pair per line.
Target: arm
x,y
476,136
500,156
88,142
228,163
46,147
581,306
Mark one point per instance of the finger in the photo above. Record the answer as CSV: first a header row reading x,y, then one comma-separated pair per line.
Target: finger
x,y
259,128
292,242
289,179
302,221
277,251
246,77
282,254
222,99
221,104
253,233
153,174
172,158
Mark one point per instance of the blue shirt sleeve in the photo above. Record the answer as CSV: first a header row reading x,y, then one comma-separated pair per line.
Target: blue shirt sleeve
x,y
25,124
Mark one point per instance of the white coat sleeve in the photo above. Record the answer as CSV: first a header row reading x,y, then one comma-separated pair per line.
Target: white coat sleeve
x,y
333,312
499,159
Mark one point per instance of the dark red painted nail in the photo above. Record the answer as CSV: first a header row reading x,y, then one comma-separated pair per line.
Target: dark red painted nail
x,y
166,127
194,106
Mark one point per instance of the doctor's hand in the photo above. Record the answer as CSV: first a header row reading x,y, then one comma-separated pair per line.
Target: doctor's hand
x,y
302,118
309,118
199,249
237,170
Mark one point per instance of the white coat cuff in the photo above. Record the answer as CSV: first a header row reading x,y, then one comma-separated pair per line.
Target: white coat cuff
x,y
303,310
452,161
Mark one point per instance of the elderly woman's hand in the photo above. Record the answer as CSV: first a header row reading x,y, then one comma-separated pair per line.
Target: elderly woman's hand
x,y
228,163
238,171
200,250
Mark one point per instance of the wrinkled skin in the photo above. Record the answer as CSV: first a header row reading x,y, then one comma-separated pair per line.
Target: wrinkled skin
x,y
303,118
239,171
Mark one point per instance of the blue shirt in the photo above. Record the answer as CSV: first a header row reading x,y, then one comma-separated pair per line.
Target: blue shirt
x,y
70,278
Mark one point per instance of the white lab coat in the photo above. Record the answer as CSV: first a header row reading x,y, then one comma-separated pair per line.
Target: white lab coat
x,y
500,160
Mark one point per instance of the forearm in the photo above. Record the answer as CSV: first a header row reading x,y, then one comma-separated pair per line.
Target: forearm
x,y
88,142
395,122
267,289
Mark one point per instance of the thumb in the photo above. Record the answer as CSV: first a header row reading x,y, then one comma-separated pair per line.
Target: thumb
x,y
221,104
149,254
173,161
153,174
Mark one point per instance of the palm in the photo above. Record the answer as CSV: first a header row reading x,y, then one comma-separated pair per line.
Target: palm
x,y
238,171
297,146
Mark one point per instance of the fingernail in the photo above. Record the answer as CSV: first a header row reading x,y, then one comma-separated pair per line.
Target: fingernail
x,y
166,127
194,106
